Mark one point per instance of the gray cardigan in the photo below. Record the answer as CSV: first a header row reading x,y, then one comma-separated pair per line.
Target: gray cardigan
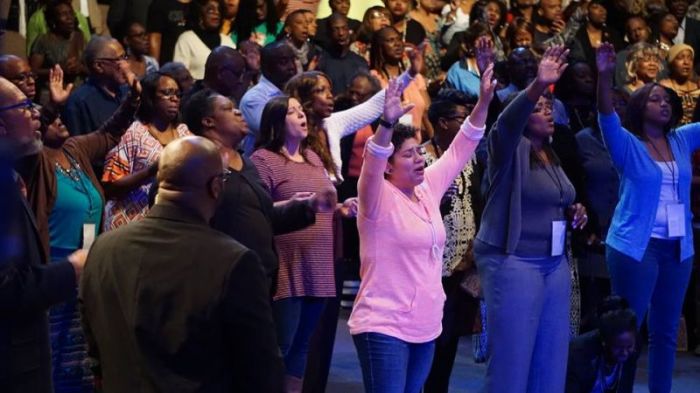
x,y
508,162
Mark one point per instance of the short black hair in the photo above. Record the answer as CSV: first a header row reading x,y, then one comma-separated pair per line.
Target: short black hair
x,y
614,318
402,133
447,100
196,108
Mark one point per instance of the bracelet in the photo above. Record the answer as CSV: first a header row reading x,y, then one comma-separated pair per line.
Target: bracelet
x,y
385,123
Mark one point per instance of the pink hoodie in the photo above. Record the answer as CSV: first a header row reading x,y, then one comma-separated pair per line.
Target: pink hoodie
x,y
401,245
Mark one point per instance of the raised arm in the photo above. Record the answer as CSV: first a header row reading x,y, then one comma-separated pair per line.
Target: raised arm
x,y
349,121
97,144
505,136
616,139
377,153
442,173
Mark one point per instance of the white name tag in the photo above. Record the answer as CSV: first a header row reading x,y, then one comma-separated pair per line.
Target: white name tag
x,y
558,237
88,235
675,213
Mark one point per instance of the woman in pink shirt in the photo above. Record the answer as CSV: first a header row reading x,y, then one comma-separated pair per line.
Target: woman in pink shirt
x,y
398,311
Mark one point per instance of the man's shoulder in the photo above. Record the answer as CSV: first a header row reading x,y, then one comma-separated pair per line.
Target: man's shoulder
x,y
84,92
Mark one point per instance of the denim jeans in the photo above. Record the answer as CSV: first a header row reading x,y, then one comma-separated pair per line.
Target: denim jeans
x,y
527,308
656,286
391,365
296,319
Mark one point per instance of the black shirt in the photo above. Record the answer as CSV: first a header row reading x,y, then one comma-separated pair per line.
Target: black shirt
x,y
247,214
169,18
341,70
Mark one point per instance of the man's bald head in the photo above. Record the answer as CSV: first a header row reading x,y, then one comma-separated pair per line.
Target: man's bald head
x,y
224,69
187,164
17,70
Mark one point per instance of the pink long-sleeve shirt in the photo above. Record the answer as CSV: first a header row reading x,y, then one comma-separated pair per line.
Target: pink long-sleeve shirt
x,y
401,245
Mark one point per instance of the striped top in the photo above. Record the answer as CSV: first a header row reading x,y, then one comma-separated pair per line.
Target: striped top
x,y
305,256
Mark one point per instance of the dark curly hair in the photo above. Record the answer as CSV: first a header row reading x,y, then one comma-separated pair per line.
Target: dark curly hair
x,y
196,108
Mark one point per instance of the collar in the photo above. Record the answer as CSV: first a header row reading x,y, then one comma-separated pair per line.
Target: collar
x,y
175,213
264,82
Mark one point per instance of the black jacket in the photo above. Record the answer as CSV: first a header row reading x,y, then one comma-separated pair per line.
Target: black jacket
x,y
28,287
171,305
252,219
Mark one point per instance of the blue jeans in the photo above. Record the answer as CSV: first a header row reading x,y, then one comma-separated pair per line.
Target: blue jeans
x,y
391,365
655,285
527,308
296,319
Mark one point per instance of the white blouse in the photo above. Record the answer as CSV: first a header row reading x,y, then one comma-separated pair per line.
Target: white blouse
x,y
193,53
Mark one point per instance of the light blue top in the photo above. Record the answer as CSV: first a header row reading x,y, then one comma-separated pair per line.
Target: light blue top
x,y
252,105
460,77
640,185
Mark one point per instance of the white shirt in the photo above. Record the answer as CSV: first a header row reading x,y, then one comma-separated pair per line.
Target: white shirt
x,y
669,182
193,53
680,37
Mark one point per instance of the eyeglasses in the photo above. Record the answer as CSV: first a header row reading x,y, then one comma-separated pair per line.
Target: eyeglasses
x,y
24,77
24,105
115,59
170,94
459,118
142,34
223,176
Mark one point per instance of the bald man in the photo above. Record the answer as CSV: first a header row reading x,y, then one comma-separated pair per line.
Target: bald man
x,y
225,72
170,304
94,101
28,287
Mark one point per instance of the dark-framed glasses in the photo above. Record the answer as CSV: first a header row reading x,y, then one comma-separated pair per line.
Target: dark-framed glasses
x,y
23,77
114,59
223,176
170,94
25,105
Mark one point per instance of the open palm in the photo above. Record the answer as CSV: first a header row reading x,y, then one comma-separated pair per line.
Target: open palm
x,y
552,65
393,107
605,58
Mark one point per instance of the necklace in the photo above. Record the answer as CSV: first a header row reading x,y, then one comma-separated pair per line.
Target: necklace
x,y
74,172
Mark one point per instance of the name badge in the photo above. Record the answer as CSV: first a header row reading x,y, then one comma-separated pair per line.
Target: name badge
x,y
88,235
675,212
558,237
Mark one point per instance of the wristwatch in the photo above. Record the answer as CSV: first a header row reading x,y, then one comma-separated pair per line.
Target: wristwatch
x,y
385,123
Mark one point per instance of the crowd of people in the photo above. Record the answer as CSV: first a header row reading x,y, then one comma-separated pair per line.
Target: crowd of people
x,y
186,190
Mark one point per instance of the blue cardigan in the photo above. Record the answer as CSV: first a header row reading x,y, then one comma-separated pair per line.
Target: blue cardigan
x,y
640,185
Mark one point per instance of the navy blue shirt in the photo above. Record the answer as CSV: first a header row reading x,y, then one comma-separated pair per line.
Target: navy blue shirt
x,y
341,70
89,107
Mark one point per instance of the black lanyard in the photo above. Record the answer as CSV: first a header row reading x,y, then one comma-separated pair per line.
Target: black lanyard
x,y
555,179
669,166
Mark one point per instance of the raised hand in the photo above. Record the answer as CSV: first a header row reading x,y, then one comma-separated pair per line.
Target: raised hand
x,y
134,84
416,55
488,85
605,58
393,107
552,65
57,92
487,88
485,53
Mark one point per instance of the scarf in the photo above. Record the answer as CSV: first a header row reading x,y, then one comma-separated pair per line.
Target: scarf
x,y
210,38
